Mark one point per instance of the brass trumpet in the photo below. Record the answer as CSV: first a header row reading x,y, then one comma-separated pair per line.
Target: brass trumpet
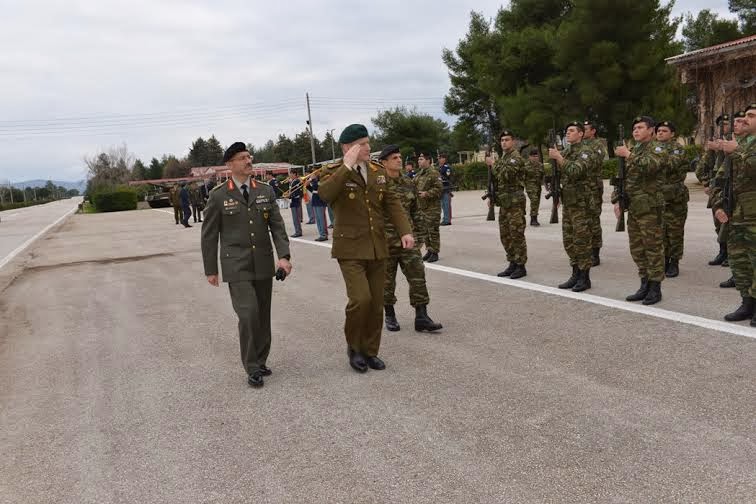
x,y
304,179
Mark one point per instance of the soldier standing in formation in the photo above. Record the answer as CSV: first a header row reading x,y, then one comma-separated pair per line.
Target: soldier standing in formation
x,y
357,190
599,150
446,195
243,214
705,172
197,201
509,181
578,193
676,197
534,175
742,223
408,259
429,189
645,214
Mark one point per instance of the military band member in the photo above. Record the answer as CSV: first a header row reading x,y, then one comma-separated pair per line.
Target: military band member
x,y
357,190
243,214
295,195
409,169
429,190
676,197
446,195
578,194
318,208
645,212
409,259
533,182
598,146
509,179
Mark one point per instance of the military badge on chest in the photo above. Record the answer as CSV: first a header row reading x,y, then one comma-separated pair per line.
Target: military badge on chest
x,y
381,180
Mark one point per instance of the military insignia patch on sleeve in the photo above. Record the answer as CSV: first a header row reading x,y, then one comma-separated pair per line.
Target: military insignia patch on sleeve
x,y
584,155
658,149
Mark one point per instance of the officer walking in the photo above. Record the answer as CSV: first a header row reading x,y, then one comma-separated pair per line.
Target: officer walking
x,y
446,195
534,175
243,215
357,190
429,190
408,259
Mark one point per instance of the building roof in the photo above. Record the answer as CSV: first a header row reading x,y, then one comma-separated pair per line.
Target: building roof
x,y
744,43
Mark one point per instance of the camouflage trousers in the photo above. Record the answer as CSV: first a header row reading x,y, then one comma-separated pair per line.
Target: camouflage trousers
x,y
534,195
576,235
512,232
428,233
741,253
675,215
595,218
413,268
646,236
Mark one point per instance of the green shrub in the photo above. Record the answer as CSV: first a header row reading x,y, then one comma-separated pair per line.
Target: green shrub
x,y
115,200
469,176
610,168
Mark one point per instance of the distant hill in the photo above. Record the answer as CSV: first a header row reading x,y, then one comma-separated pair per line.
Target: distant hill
x,y
81,185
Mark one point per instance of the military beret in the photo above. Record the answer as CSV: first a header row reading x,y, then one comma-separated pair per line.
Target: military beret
x,y
352,133
752,106
577,124
443,155
667,124
723,117
741,113
645,119
387,151
533,152
426,154
588,122
506,132
234,149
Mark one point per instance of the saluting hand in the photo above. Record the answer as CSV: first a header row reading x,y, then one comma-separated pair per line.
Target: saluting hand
x,y
408,241
212,280
351,156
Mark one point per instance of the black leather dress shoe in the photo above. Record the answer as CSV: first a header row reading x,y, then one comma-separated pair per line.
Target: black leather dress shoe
x,y
376,363
265,370
255,379
296,235
357,361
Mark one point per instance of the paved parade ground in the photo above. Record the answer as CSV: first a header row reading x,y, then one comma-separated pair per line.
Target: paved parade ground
x,y
120,379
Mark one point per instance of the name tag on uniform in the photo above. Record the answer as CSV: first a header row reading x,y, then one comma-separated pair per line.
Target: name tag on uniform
x,y
350,184
230,203
262,199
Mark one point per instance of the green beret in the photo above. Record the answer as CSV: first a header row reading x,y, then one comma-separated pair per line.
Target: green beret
x,y
506,132
234,149
387,151
667,124
577,124
352,133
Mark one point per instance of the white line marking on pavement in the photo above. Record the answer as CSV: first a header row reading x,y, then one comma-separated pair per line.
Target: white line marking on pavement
x,y
661,313
31,240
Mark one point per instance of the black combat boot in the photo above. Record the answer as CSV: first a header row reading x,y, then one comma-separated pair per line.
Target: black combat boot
x,y
666,264
391,323
728,284
720,258
508,271
654,293
744,311
583,281
595,259
432,257
518,272
753,320
570,283
534,220
726,262
423,322
641,293
673,268
427,254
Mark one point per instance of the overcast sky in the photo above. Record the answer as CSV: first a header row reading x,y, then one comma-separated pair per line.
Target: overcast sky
x,y
80,76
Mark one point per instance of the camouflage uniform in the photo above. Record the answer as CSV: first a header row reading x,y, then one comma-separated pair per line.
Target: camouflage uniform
x,y
598,147
645,214
705,171
509,176
410,260
676,197
578,195
429,208
533,182
741,241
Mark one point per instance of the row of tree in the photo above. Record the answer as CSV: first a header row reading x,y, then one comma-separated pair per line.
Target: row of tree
x,y
10,194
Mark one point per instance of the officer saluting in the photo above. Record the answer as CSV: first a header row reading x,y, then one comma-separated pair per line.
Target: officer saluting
x,y
241,213
357,189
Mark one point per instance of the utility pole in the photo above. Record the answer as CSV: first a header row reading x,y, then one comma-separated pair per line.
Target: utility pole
x,y
309,123
333,145
10,189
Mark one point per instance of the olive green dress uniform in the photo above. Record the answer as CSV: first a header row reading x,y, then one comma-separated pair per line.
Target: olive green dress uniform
x,y
359,245
533,183
246,258
676,197
429,208
509,176
645,214
598,148
410,260
578,194
173,194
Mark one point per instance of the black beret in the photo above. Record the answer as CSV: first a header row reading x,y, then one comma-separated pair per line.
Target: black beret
x,y
352,133
588,122
506,132
741,114
533,152
425,153
752,106
387,151
723,117
668,124
577,124
645,119
443,155
234,149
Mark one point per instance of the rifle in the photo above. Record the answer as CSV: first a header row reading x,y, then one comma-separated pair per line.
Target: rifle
x,y
490,194
619,183
553,181
709,168
720,154
725,183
